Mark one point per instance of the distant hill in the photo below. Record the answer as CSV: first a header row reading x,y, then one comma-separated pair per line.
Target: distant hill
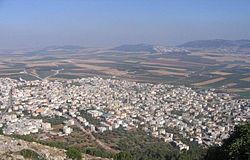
x,y
218,44
64,47
136,48
50,50
148,48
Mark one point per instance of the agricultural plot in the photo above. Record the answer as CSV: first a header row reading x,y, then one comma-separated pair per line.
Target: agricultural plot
x,y
197,69
210,81
246,79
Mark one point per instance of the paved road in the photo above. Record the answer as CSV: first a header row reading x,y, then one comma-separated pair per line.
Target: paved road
x,y
56,73
31,74
100,143
37,76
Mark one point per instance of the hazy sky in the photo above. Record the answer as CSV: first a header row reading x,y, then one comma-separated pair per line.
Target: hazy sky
x,y
38,23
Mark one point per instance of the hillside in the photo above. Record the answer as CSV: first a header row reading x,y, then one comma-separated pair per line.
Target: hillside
x,y
236,45
136,48
12,148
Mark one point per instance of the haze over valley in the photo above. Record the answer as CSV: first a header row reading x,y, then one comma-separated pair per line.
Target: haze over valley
x,y
124,80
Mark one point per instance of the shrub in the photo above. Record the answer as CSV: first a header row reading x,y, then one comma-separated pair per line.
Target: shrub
x,y
74,153
27,153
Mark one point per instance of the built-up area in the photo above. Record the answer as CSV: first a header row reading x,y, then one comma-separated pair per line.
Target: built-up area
x,y
168,112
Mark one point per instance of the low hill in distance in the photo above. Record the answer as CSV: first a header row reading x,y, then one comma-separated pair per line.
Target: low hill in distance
x,y
136,48
233,45
148,48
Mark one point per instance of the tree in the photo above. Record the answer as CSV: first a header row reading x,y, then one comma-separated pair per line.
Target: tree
x,y
74,154
30,154
236,147
123,156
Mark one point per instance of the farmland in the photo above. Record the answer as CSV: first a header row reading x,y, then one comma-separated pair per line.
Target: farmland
x,y
197,69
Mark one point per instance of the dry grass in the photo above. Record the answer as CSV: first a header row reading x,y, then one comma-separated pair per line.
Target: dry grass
x,y
40,64
174,64
8,74
106,70
229,66
2,66
115,72
167,68
39,148
168,59
91,66
220,73
131,61
237,90
57,79
210,81
246,79
223,57
164,72
94,61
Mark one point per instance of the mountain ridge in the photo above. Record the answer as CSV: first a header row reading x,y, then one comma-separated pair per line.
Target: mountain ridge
x,y
217,44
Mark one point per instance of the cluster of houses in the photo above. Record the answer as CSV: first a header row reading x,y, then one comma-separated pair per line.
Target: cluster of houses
x,y
164,111
23,126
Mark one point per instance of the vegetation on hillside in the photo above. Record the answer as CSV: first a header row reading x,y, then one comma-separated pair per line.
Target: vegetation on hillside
x,y
137,145
74,154
30,154
236,147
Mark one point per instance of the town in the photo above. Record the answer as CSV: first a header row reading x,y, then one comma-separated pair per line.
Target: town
x,y
164,111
